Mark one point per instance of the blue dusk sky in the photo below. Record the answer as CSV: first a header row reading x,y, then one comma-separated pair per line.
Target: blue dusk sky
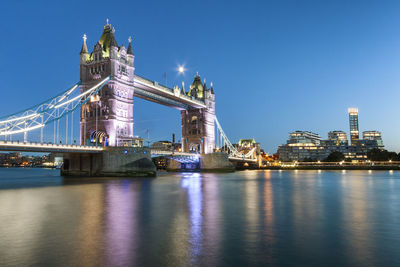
x,y
277,66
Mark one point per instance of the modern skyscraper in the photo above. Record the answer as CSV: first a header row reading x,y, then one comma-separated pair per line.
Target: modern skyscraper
x,y
354,132
375,137
338,137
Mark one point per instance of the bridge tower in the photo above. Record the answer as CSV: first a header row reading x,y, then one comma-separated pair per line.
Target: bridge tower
x,y
198,125
108,118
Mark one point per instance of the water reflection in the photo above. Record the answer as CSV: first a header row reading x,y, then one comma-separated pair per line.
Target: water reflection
x,y
356,219
252,209
212,218
193,184
269,215
121,223
252,218
305,208
91,227
21,221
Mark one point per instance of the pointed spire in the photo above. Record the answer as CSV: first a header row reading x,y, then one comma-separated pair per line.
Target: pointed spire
x,y
107,24
130,52
113,42
204,84
84,49
183,87
212,88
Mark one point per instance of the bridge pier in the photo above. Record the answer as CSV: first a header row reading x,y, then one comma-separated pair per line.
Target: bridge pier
x,y
216,162
112,162
212,162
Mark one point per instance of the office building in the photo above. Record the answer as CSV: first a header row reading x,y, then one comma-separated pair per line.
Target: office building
x,y
339,138
354,132
374,138
302,145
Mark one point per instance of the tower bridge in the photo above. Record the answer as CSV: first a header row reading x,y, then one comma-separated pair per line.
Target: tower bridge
x,y
104,96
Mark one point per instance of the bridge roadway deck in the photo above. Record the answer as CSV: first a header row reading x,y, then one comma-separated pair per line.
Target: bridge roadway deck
x,y
62,148
242,159
170,153
155,92
46,147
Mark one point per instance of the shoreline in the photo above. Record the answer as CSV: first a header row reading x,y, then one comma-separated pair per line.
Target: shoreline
x,y
29,167
343,167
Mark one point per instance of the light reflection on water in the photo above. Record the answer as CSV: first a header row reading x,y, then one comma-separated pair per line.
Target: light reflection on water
x,y
192,183
329,218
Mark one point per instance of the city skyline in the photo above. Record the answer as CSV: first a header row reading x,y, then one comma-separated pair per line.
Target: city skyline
x,y
336,56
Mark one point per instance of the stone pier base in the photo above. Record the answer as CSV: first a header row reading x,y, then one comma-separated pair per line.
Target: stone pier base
x,y
112,162
174,166
212,162
216,162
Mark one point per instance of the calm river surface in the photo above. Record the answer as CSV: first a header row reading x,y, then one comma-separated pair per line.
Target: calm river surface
x,y
249,218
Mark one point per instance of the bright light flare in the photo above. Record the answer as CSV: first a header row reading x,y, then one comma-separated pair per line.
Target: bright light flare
x,y
181,69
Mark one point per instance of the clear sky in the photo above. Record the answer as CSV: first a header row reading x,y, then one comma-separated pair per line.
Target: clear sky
x,y
277,66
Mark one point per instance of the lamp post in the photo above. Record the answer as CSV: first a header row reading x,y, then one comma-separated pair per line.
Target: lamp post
x,y
95,99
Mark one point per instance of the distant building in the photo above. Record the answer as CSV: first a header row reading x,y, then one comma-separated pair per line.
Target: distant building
x,y
354,132
304,137
307,145
246,142
131,142
162,145
374,136
244,146
339,138
302,145
166,146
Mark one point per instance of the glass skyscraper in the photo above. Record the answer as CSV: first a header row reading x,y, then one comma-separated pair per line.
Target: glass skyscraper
x,y
354,132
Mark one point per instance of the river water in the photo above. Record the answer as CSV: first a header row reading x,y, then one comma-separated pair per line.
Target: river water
x,y
248,218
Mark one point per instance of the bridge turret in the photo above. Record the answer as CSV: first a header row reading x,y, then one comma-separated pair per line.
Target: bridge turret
x,y
196,89
198,125
111,115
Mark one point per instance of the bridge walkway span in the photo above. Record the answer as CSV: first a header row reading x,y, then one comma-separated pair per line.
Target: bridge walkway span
x,y
46,147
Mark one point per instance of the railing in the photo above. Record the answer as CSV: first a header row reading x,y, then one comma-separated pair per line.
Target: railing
x,y
172,153
34,145
242,159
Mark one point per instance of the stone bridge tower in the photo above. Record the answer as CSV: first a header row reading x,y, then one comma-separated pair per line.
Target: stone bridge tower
x,y
108,118
198,125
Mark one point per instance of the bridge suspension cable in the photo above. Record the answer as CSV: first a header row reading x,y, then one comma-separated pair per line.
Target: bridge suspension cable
x,y
227,146
51,110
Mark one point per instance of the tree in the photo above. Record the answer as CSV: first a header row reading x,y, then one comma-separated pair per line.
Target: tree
x,y
308,160
335,156
382,155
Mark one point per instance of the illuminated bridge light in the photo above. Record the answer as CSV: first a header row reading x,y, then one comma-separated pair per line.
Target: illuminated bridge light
x,y
31,116
22,130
